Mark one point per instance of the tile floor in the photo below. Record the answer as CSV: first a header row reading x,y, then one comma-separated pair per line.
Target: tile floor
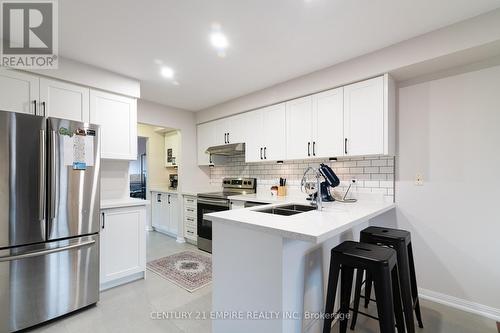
x,y
128,308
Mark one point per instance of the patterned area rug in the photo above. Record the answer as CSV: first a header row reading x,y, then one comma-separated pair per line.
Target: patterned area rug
x,y
189,270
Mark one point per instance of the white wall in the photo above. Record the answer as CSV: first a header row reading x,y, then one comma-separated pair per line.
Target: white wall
x,y
191,177
465,36
449,131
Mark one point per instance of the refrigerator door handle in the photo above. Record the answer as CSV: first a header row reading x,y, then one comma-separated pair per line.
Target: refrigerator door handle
x,y
42,182
45,252
53,174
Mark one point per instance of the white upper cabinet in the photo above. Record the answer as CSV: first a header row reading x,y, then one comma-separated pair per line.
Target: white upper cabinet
x,y
230,130
267,134
315,126
64,100
355,120
237,129
19,92
299,117
221,131
254,150
206,137
369,118
273,132
328,124
117,116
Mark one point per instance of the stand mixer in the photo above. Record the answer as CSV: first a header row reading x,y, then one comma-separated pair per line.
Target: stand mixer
x,y
319,191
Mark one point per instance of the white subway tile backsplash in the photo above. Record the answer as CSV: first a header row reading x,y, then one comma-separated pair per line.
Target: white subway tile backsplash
x,y
373,174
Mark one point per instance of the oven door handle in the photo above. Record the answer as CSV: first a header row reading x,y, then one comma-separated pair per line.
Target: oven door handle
x,y
216,202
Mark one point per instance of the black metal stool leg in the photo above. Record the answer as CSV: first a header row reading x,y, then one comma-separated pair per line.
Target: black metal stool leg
x,y
414,287
345,296
406,285
398,305
333,277
357,296
368,288
383,294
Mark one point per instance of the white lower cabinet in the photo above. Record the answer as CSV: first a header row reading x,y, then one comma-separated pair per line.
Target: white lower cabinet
x,y
165,212
190,218
122,245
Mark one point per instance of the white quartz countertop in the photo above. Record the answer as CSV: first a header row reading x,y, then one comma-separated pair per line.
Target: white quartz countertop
x,y
163,190
313,226
264,198
124,202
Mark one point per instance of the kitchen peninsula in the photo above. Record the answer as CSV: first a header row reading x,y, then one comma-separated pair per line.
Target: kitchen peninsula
x,y
267,264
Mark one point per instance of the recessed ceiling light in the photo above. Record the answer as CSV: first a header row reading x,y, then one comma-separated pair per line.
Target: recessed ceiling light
x,y
219,40
167,72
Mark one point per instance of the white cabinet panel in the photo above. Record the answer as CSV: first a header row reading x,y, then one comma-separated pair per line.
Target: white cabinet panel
x,y
123,243
274,131
205,138
328,123
174,217
237,129
299,128
222,128
254,143
364,113
165,213
19,92
117,116
64,100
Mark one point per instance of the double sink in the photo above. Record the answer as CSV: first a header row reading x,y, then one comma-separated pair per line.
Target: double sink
x,y
287,210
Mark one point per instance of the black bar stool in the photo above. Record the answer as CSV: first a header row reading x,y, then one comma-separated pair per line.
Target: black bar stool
x,y
381,262
399,240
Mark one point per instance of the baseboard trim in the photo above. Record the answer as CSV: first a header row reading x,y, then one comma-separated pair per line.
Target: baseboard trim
x,y
461,304
180,240
120,281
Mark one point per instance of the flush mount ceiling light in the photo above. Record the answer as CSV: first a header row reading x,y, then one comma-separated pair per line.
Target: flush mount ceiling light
x,y
219,40
167,72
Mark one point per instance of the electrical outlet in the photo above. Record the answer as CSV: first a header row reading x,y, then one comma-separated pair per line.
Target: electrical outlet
x,y
419,179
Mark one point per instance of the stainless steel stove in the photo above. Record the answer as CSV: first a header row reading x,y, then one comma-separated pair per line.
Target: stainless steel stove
x,y
218,201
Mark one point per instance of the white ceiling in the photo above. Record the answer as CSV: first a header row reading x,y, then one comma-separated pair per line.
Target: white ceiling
x,y
271,41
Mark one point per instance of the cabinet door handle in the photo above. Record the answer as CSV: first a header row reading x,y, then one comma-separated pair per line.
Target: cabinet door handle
x,y
169,199
158,197
314,148
265,155
44,106
308,149
210,159
228,141
345,146
34,104
261,153
103,220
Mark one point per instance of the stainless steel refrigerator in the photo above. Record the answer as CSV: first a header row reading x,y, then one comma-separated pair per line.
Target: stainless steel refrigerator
x,y
49,218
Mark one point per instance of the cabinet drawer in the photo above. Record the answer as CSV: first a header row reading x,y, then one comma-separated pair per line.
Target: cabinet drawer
x,y
191,234
190,211
189,220
190,202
